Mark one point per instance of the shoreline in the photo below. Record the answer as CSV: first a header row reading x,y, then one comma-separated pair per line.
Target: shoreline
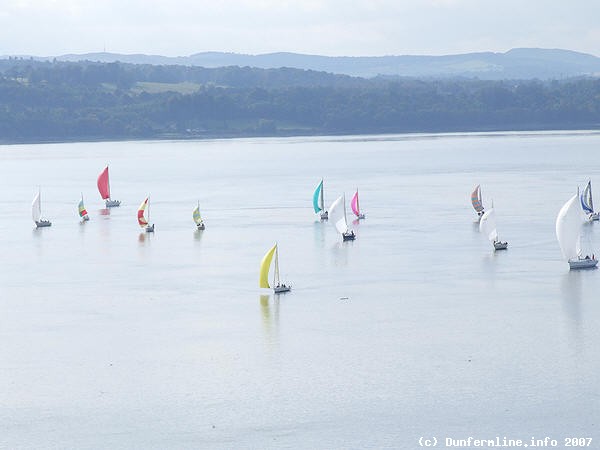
x,y
230,136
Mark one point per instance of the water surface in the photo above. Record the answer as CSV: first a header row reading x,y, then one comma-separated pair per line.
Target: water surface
x,y
111,338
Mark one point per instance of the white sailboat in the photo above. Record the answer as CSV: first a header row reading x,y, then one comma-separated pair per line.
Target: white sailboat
x,y
265,265
487,225
36,211
587,203
337,213
568,233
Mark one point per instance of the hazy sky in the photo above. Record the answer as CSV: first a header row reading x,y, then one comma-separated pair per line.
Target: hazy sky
x,y
326,27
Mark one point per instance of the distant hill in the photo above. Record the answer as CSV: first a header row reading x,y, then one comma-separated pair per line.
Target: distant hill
x,y
519,63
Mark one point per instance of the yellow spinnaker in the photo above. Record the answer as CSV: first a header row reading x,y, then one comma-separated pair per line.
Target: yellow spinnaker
x,y
265,264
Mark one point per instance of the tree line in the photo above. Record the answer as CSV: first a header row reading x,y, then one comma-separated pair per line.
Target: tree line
x,y
49,101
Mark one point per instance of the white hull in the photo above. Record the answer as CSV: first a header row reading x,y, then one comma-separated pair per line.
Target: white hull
x,y
113,203
324,215
43,223
360,216
594,216
200,226
150,228
583,263
85,218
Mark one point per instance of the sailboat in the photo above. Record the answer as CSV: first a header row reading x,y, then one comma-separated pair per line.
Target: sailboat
x,y
36,211
356,207
142,220
265,265
318,203
82,211
487,225
104,188
337,212
587,203
568,233
197,218
476,201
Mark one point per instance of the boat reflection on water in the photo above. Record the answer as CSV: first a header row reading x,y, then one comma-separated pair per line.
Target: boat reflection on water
x,y
270,318
571,291
104,212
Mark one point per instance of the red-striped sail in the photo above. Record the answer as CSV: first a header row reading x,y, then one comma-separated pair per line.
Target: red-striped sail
x,y
476,199
141,219
103,184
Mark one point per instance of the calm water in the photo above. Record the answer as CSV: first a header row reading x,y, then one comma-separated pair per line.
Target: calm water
x,y
110,338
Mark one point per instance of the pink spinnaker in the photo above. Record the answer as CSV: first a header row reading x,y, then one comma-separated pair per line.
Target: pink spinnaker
x,y
354,204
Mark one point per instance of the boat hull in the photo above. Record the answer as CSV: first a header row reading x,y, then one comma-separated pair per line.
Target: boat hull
x,y
113,203
350,236
500,245
324,215
150,229
594,216
360,216
281,289
590,263
43,223
200,226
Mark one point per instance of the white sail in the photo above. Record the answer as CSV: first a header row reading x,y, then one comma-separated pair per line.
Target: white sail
x,y
487,225
337,215
36,208
276,280
568,229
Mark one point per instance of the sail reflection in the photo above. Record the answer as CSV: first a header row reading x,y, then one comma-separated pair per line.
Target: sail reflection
x,y
270,319
572,294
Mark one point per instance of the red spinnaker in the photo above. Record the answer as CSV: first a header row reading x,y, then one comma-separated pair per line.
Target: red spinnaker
x,y
103,185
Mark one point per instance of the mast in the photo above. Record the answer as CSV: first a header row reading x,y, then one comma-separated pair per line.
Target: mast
x,y
322,201
591,201
357,205
344,203
108,181
276,271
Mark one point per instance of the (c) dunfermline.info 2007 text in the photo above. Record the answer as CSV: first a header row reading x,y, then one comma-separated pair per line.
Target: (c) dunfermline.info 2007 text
x,y
506,442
